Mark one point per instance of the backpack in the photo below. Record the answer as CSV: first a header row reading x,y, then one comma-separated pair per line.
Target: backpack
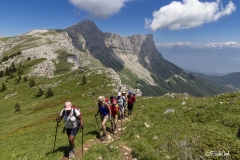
x,y
74,114
120,101
124,100
130,99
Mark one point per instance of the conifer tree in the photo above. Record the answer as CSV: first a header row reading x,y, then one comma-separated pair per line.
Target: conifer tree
x,y
4,87
49,93
40,92
31,83
25,79
17,107
84,80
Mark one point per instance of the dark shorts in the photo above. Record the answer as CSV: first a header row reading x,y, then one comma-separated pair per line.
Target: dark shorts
x,y
103,117
73,131
130,106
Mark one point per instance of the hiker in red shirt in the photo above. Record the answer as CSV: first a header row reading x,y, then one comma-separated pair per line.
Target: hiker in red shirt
x,y
115,111
130,102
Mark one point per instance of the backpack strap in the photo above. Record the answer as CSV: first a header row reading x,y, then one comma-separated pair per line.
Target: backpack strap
x,y
74,113
63,113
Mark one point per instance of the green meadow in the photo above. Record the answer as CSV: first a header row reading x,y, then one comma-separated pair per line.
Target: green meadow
x,y
195,128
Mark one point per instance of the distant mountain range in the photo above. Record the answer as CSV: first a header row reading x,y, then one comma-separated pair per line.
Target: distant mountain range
x,y
231,80
211,60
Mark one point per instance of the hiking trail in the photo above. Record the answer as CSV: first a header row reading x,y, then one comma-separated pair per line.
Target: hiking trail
x,y
126,152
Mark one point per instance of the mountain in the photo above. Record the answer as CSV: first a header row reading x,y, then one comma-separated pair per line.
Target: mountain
x,y
135,61
137,56
231,80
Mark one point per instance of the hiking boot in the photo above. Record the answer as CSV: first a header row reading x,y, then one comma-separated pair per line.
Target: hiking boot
x,y
70,154
112,131
103,137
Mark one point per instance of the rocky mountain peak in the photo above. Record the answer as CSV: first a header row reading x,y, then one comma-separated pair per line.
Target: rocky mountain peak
x,y
85,34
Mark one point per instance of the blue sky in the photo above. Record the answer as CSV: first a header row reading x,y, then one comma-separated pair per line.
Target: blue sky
x,y
191,22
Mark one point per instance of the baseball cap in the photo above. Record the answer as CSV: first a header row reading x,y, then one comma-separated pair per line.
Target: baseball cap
x,y
68,106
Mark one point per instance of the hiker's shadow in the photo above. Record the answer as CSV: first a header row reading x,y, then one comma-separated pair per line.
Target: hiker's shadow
x,y
108,129
63,149
97,133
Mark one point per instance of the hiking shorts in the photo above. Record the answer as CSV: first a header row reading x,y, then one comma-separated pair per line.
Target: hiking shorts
x,y
72,131
130,106
103,117
122,109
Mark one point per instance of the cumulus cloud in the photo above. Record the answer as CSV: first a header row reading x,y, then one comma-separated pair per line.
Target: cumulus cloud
x,y
99,8
188,14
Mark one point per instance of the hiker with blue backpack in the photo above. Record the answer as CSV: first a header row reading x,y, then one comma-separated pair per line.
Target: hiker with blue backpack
x,y
73,119
105,114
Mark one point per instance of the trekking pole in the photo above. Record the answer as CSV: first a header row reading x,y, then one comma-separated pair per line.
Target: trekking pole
x,y
97,122
121,125
55,140
113,126
82,142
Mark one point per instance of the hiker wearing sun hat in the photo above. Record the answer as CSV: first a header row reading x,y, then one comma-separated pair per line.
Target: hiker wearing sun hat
x,y
73,119
105,113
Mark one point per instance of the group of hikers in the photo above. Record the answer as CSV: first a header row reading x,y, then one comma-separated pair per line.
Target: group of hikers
x,y
114,108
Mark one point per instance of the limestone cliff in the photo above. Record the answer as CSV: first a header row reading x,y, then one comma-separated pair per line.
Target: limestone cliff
x,y
137,53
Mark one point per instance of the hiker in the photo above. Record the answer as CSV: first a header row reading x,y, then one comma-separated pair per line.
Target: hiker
x,y
124,103
130,100
73,119
115,110
120,104
105,113
112,98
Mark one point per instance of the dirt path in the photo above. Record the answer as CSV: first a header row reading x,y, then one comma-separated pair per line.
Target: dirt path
x,y
126,151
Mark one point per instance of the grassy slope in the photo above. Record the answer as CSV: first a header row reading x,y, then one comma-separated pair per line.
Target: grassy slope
x,y
194,129
30,132
201,125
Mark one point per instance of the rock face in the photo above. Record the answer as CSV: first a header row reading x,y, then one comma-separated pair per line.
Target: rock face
x,y
137,53
38,44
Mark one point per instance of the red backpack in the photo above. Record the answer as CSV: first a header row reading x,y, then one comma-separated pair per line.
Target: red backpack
x,y
131,99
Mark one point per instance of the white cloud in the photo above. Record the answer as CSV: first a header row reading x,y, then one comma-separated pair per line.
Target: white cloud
x,y
221,45
187,14
226,44
99,8
169,45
